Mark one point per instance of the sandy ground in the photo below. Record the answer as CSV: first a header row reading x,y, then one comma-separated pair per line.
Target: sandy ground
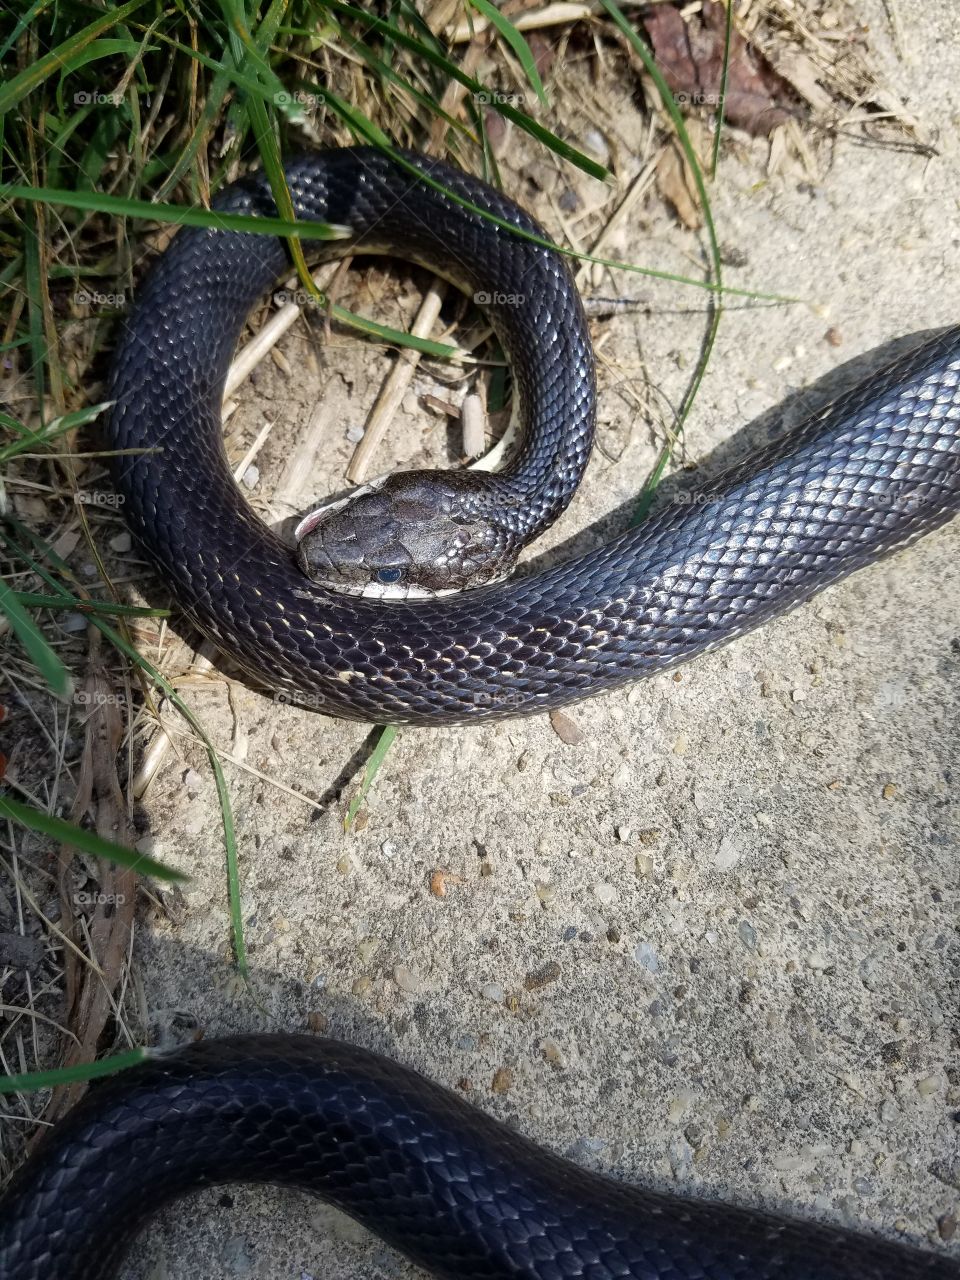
x,y
713,946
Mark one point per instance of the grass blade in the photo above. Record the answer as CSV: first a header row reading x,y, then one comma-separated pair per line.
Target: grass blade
x,y
58,427
46,824
29,1081
516,42
520,118
181,215
384,742
646,496
56,675
52,63
33,600
121,643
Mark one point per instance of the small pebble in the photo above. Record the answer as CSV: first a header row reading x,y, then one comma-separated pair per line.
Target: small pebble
x,y
569,933
834,337
928,1086
643,864
251,477
566,729
406,979
73,622
502,1080
193,782
354,434
553,1053
947,1226
728,855
236,1256
585,1147
542,977
645,955
748,935
606,893
594,141
121,543
889,791
361,985
367,949
493,991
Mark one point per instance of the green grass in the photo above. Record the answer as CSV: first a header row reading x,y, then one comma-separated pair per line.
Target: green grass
x,y
89,159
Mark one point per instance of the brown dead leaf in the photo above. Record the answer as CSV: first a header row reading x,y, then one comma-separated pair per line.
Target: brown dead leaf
x,y
689,53
674,186
90,988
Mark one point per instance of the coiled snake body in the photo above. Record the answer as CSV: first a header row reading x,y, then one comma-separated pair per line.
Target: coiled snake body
x,y
881,468
461,1194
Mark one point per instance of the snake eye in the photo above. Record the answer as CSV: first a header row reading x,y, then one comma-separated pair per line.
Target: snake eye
x,y
389,575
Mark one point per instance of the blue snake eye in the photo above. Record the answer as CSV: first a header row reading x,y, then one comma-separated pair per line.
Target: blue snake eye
x,y
389,575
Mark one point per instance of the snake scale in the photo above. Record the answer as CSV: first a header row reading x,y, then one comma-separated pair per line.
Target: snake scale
x,y
458,1192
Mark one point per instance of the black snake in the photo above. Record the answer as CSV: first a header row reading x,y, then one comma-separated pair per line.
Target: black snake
x,y
456,1191
452,1188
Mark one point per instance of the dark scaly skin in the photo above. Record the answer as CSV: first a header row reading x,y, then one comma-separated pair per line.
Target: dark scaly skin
x,y
464,1196
877,470
459,1193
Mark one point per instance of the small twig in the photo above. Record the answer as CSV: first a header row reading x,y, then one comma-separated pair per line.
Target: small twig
x,y
395,387
551,16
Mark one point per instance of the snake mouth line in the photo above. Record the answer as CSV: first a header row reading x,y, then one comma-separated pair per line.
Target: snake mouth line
x,y
310,521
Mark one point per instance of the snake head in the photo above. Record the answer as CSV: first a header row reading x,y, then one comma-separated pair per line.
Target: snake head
x,y
412,535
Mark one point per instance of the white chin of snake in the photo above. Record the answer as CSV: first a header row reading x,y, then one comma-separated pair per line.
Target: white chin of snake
x,y
369,590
